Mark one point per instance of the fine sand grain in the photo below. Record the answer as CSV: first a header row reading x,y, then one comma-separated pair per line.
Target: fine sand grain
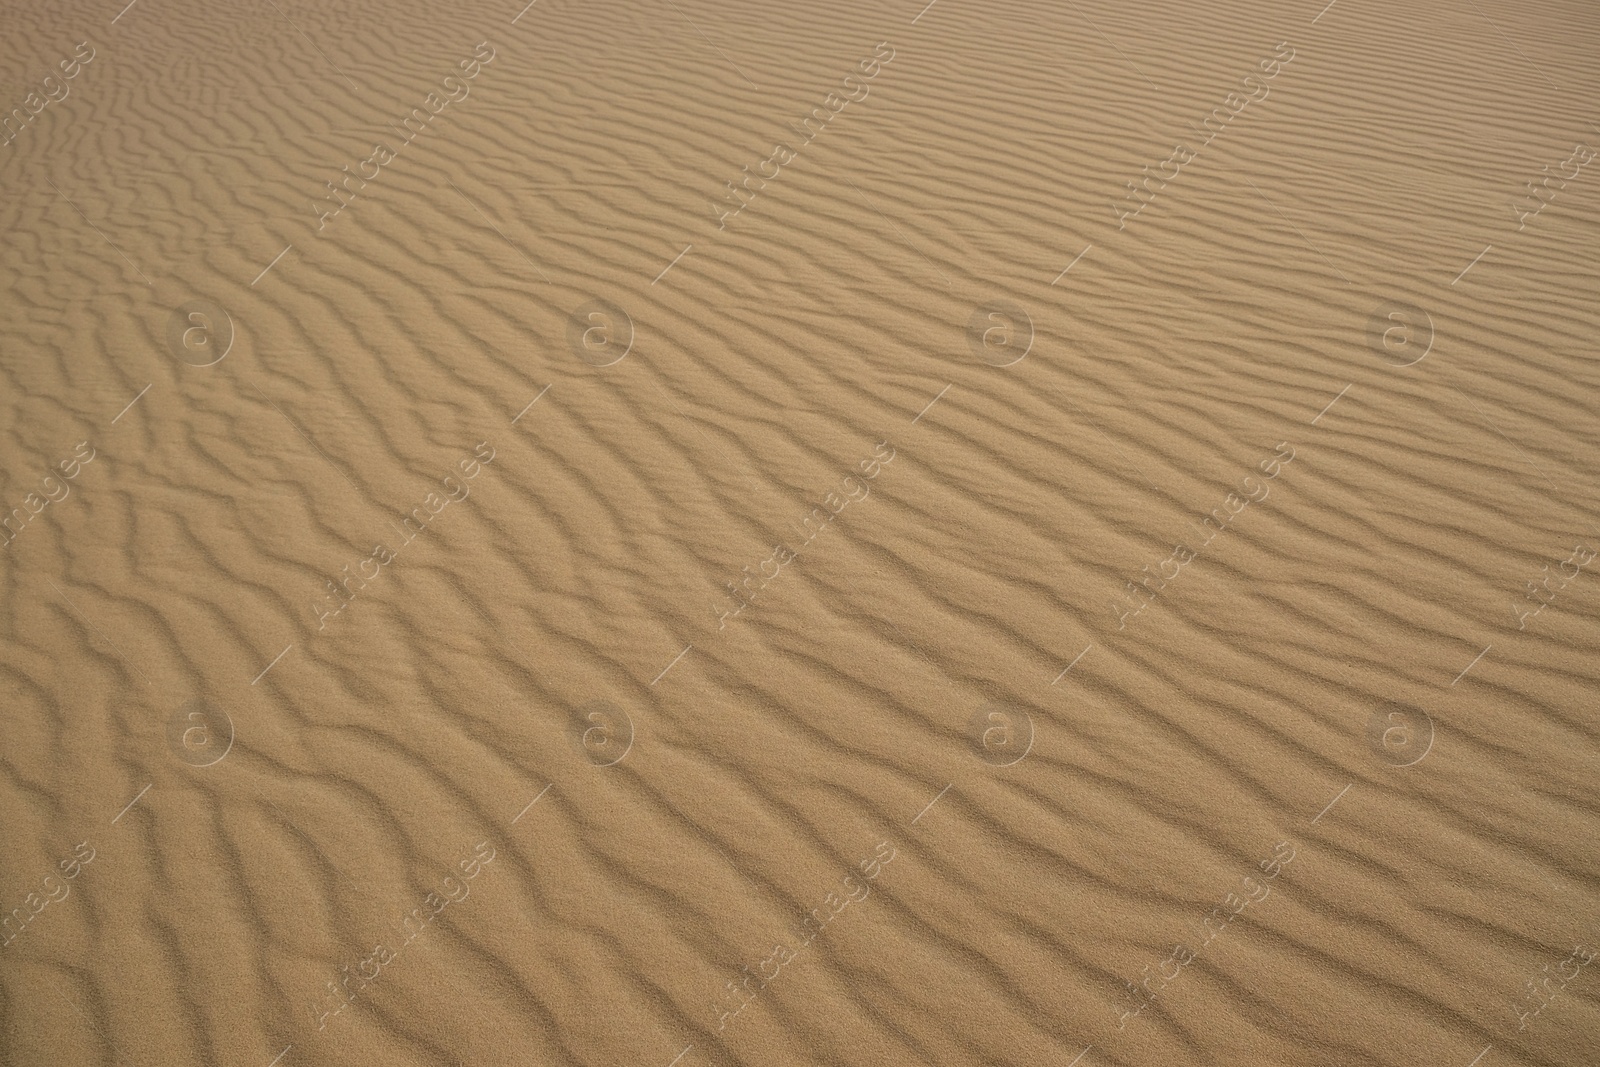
x,y
995,532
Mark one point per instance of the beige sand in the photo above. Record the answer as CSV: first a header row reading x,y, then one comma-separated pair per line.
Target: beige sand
x,y
734,535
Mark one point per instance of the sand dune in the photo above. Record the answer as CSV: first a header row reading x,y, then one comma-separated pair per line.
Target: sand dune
x,y
966,534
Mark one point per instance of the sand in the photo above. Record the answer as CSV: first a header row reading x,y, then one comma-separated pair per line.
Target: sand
x,y
671,534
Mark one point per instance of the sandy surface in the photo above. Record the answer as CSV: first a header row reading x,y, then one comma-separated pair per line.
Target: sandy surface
x,y
665,533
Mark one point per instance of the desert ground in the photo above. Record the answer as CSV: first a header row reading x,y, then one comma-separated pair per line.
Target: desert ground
x,y
718,533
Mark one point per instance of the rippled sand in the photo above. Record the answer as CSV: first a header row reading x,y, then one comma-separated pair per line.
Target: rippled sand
x,y
676,534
